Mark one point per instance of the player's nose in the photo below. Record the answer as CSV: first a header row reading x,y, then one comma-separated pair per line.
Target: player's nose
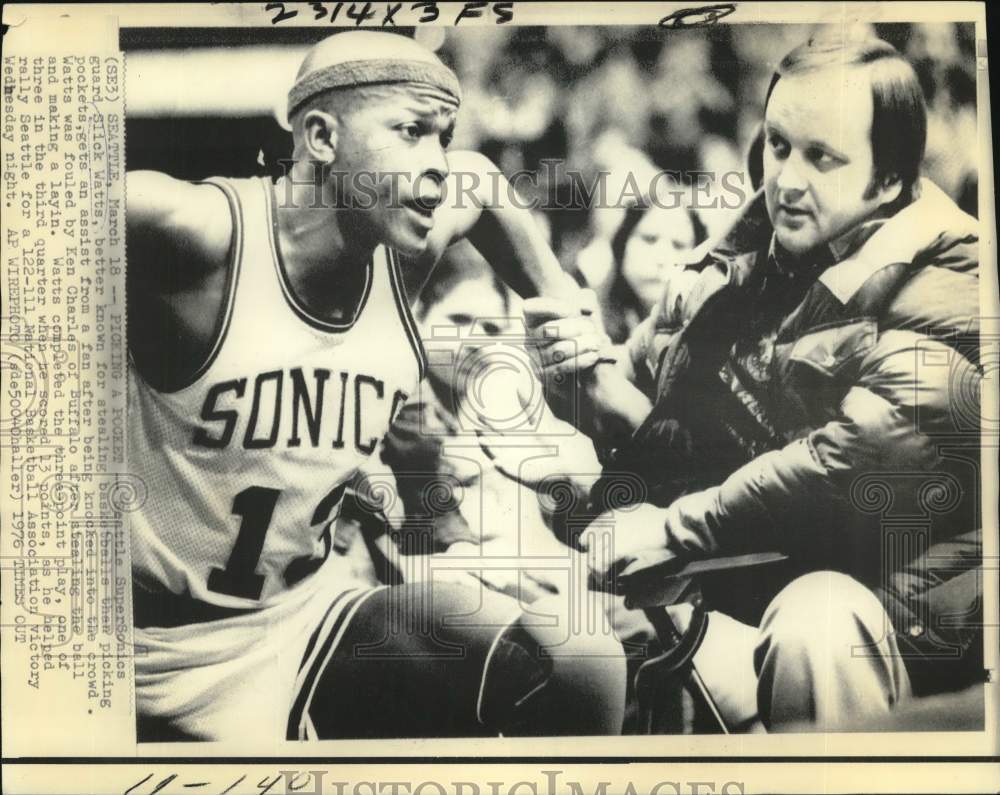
x,y
429,191
434,160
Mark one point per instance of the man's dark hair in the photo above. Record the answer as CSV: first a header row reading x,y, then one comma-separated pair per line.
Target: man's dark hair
x,y
899,120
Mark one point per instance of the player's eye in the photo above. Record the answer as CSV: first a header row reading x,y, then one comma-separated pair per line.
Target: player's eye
x,y
410,131
446,139
650,239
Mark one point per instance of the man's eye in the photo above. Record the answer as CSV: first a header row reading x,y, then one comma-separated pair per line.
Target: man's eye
x,y
822,159
446,140
778,145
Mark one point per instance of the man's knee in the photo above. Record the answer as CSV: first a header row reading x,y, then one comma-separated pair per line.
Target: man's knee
x,y
824,612
826,654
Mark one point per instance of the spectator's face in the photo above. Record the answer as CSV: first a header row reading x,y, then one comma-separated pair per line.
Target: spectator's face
x,y
462,322
654,250
391,158
818,164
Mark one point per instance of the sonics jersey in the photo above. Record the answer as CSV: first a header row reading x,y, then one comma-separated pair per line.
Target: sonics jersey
x,y
246,465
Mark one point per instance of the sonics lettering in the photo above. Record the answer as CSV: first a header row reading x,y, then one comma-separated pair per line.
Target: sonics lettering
x,y
294,409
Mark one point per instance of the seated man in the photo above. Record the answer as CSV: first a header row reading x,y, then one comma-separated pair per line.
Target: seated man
x,y
793,390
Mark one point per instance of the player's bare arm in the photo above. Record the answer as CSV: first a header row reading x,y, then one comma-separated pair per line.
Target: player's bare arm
x,y
482,206
178,235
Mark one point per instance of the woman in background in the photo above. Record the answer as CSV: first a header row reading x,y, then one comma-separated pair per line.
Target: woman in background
x,y
650,244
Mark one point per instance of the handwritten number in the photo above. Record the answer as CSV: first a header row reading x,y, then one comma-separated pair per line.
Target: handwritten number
x,y
264,786
282,15
233,786
362,15
137,784
163,783
430,11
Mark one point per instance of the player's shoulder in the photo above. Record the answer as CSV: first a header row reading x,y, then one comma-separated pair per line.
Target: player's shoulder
x,y
176,216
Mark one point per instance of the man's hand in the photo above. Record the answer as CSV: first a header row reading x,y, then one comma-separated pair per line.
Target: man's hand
x,y
568,336
618,538
615,539
583,384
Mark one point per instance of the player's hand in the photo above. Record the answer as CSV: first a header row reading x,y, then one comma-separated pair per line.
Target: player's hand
x,y
568,337
618,538
576,465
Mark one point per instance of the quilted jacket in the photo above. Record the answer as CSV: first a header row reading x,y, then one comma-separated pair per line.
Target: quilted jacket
x,y
877,372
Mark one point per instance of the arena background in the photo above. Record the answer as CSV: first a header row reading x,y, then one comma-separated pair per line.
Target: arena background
x,y
594,98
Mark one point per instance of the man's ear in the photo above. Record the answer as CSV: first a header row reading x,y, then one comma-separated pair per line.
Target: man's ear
x,y
319,133
888,188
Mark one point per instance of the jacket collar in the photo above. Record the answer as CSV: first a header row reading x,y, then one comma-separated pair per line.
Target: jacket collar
x,y
834,252
921,226
927,223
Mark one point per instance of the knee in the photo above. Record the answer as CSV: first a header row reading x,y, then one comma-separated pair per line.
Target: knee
x,y
574,641
591,666
822,612
572,680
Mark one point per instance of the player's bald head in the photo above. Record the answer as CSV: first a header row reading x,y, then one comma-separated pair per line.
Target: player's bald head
x,y
367,58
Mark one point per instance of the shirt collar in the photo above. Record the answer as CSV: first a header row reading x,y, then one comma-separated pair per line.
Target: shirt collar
x,y
834,252
849,242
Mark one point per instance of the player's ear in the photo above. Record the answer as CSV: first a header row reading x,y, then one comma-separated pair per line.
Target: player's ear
x,y
319,134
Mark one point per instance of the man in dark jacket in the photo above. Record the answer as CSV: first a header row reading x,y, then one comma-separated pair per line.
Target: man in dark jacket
x,y
812,385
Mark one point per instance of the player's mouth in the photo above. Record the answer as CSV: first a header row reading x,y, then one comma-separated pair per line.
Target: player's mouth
x,y
421,212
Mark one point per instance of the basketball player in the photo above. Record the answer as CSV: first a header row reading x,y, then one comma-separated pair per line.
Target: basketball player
x,y
271,344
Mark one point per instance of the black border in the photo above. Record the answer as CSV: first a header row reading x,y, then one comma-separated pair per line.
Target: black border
x,y
498,760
